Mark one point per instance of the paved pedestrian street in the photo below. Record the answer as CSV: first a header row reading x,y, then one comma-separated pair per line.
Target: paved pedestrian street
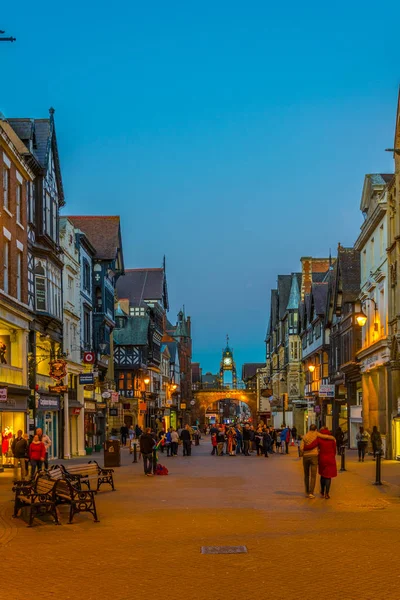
x,y
148,542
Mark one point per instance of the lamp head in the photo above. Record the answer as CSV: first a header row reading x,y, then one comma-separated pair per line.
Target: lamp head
x,y
146,381
311,368
361,319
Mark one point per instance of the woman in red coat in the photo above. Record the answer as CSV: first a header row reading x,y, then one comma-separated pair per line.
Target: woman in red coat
x,y
326,462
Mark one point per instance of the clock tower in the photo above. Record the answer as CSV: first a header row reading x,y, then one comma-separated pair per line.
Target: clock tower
x,y
227,364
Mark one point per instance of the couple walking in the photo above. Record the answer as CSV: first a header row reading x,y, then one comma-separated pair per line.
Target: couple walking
x,y
318,449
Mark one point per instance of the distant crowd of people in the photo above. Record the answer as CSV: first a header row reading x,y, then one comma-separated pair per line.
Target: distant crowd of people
x,y
167,442
246,439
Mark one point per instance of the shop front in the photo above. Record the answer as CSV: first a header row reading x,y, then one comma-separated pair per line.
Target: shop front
x,y
13,417
49,420
90,423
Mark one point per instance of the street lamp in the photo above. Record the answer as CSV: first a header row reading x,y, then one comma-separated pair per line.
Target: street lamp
x,y
311,368
362,318
146,381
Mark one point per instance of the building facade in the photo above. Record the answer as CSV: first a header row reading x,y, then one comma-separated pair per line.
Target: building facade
x,y
374,355
15,315
44,267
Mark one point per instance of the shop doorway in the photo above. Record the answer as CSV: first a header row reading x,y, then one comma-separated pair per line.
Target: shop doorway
x,y
50,429
128,420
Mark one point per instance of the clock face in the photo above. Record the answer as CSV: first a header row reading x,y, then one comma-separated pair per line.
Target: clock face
x,y
227,361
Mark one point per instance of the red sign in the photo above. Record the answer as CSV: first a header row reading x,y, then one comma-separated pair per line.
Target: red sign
x,y
76,411
88,358
114,396
142,406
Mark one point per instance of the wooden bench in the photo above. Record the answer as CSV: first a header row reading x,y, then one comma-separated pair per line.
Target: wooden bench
x,y
39,496
79,500
87,474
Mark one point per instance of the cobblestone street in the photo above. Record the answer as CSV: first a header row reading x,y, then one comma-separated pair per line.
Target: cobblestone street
x,y
151,530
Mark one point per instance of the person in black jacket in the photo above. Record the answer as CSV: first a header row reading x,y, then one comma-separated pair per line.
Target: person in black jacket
x,y
187,442
124,431
19,449
246,440
147,444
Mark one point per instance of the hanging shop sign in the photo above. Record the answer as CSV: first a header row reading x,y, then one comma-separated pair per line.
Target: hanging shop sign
x,y
113,412
3,393
101,405
88,358
58,369
106,395
183,405
142,406
114,396
76,411
326,391
193,402
168,402
86,379
58,389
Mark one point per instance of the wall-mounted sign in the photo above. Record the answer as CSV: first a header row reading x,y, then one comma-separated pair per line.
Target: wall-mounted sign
x,y
58,369
90,406
317,409
113,412
40,293
326,391
3,393
86,378
142,406
88,358
76,411
114,397
183,405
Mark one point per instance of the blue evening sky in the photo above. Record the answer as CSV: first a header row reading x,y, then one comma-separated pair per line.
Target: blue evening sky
x,y
231,136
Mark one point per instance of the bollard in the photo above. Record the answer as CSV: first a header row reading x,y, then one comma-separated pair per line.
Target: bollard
x,y
134,453
378,468
342,459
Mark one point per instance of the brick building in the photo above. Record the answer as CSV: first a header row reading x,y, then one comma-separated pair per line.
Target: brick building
x,y
15,317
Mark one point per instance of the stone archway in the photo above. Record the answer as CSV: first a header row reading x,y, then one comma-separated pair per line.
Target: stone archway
x,y
204,398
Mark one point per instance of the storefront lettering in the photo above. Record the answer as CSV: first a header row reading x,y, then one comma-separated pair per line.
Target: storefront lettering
x,y
40,293
48,402
3,394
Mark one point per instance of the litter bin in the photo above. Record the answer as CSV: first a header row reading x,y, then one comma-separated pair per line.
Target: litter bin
x,y
112,453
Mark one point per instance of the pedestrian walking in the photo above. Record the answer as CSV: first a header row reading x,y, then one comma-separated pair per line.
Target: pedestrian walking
x,y
174,442
231,442
124,432
187,441
362,439
327,468
19,449
376,441
239,439
221,441
147,443
285,438
309,452
37,455
47,443
214,444
246,440
168,442
339,436
259,440
138,431
294,433
266,443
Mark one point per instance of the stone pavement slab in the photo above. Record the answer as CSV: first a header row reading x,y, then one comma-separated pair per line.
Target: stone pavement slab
x,y
148,542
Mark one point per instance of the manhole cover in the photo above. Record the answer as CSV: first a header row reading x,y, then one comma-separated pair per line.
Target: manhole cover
x,y
223,549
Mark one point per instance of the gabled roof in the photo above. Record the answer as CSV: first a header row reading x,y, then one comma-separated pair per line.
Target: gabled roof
x,y
15,139
373,182
284,283
134,333
140,285
39,137
319,293
250,369
349,272
103,232
294,296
